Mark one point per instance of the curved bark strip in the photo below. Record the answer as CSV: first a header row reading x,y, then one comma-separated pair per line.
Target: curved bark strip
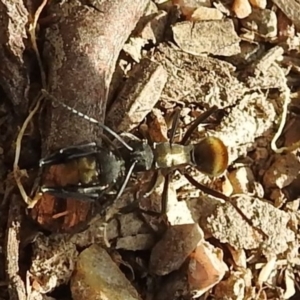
x,y
14,77
81,51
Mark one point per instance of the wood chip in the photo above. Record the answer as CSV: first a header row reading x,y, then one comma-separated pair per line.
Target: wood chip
x,y
197,38
175,246
97,277
291,8
139,95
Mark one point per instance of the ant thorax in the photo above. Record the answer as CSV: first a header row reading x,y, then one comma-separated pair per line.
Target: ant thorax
x,y
171,155
142,155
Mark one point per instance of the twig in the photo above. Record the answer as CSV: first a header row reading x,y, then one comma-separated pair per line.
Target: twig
x,y
32,31
16,170
286,97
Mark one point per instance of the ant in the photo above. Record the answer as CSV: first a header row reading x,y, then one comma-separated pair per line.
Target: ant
x,y
100,169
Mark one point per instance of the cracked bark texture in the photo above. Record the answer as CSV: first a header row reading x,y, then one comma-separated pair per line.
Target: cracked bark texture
x,y
81,51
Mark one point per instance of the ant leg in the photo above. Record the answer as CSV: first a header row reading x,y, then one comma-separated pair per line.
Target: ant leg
x,y
135,204
155,182
175,122
88,193
219,195
80,146
110,202
125,182
196,122
165,195
92,120
69,153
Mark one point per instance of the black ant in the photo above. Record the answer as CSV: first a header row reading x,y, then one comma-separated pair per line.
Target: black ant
x,y
101,169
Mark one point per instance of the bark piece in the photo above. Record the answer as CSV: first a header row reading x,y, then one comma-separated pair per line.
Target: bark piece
x,y
227,226
98,277
139,95
53,262
291,8
175,246
213,37
16,286
197,79
81,51
13,72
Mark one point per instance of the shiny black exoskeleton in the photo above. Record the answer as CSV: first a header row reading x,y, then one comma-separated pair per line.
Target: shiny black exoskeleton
x,y
99,169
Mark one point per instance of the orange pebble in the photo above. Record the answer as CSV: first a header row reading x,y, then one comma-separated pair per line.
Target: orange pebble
x,y
242,8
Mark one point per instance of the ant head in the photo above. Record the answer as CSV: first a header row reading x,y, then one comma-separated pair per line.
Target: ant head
x,y
210,156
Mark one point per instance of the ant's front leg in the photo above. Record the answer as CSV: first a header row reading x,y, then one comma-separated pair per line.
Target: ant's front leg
x,y
84,193
66,154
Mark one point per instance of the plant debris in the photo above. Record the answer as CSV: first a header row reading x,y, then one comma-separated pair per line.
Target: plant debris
x,y
148,70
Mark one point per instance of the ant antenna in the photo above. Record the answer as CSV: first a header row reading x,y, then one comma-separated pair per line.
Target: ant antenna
x,y
92,120
120,192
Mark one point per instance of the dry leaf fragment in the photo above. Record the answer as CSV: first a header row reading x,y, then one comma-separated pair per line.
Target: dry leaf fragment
x,y
206,268
266,271
289,277
239,256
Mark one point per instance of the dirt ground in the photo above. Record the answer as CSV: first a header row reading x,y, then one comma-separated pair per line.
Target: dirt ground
x,y
150,70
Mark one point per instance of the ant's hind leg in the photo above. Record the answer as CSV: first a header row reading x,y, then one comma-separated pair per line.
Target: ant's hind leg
x,y
165,195
68,153
154,183
204,116
175,122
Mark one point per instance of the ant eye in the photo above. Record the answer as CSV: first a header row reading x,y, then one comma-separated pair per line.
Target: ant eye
x,y
211,156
